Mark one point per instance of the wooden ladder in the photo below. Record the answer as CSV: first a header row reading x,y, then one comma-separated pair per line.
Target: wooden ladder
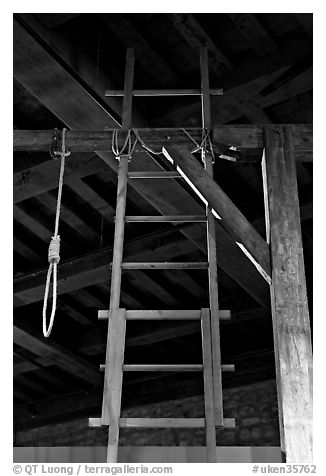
x,y
117,317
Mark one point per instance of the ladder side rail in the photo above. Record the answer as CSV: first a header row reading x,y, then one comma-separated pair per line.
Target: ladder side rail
x,y
208,387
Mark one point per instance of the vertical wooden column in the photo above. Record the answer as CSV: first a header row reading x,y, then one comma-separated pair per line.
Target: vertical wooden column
x,y
211,251
291,327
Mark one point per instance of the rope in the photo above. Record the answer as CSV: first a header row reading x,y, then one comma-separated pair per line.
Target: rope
x,y
140,140
205,144
128,143
54,247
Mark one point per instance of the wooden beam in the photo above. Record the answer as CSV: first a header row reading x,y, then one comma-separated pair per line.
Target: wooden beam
x,y
145,53
163,92
197,38
53,20
44,177
254,32
247,136
232,219
60,357
292,339
127,96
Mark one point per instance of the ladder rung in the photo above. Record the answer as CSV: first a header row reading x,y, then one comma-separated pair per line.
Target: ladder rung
x,y
167,368
164,92
157,174
161,422
170,422
162,315
159,368
159,265
167,218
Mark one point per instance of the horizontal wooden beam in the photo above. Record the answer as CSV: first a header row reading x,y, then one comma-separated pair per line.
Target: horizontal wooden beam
x,y
168,368
163,92
186,314
158,265
241,136
166,218
162,422
231,217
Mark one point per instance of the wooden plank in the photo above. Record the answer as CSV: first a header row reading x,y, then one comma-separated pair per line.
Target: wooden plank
x,y
162,368
127,94
113,380
154,175
254,32
169,423
210,398
119,233
44,177
164,315
172,265
161,422
232,219
291,327
163,92
55,20
244,136
205,91
60,357
197,37
167,218
214,305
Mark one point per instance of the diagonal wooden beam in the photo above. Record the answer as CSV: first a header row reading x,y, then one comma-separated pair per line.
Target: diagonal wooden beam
x,y
61,357
258,38
232,219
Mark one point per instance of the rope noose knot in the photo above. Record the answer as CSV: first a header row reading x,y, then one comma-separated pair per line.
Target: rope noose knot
x,y
54,250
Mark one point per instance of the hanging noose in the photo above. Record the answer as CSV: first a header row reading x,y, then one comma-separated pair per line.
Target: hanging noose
x,y
54,247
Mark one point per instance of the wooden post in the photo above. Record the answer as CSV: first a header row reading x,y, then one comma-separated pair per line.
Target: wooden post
x,y
292,338
208,386
127,97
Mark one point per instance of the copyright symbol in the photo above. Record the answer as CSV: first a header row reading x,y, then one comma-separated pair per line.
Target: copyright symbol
x,y
17,469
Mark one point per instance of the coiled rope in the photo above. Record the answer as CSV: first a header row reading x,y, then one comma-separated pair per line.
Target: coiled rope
x,y
54,247
128,147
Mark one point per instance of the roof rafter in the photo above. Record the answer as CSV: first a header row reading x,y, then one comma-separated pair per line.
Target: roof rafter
x,y
254,32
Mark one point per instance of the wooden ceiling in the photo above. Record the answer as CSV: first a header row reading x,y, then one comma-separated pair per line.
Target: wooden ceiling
x,y
63,63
